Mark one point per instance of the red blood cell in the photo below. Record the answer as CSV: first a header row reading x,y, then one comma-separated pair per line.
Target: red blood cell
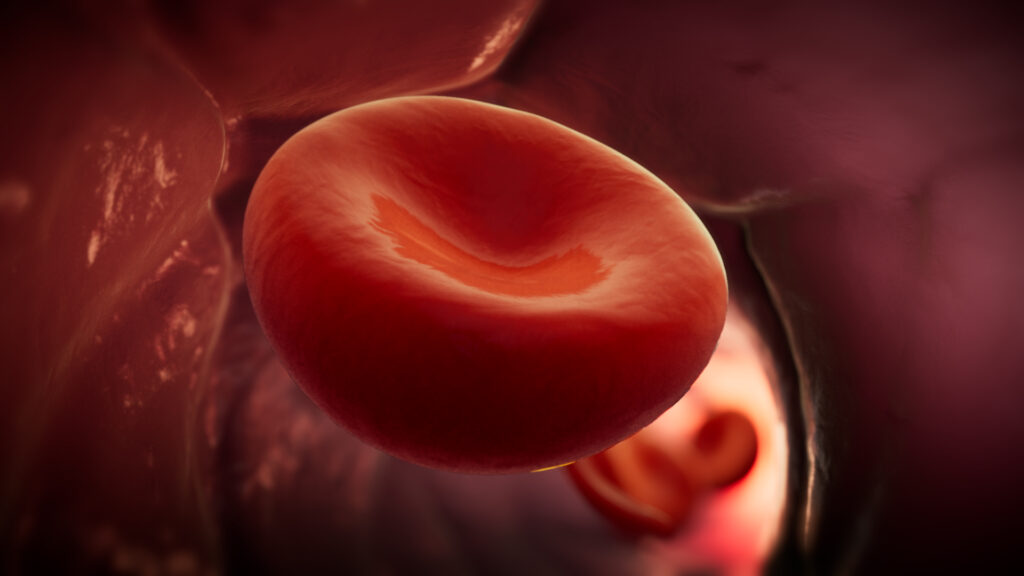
x,y
650,482
279,59
639,487
726,447
476,288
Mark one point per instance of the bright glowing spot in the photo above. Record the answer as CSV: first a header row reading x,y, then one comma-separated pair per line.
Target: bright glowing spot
x,y
498,41
555,467
164,176
95,240
182,320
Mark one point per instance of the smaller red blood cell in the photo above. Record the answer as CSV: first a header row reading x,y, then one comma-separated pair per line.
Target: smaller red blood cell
x,y
639,487
651,482
726,447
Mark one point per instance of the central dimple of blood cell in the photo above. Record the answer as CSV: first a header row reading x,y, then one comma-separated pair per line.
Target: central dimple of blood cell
x,y
569,273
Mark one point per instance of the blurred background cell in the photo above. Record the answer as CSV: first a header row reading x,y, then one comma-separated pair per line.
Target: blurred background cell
x,y
727,444
260,58
114,275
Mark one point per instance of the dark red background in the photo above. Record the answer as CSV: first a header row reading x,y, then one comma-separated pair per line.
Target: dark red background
x,y
860,164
